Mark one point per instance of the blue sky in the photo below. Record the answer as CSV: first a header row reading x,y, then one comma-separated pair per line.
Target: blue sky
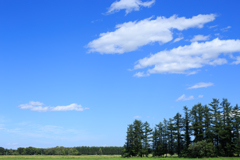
x,y
76,73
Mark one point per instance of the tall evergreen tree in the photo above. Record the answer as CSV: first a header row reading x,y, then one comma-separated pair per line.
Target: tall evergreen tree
x,y
138,137
236,128
186,128
178,125
155,142
158,140
165,137
147,131
216,122
197,122
208,135
225,131
128,147
171,136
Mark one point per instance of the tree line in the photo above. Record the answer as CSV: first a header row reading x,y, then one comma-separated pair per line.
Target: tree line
x,y
202,131
83,150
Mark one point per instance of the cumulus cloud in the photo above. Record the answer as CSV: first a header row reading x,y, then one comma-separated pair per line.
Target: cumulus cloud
x,y
237,61
129,5
199,38
201,85
40,107
200,96
184,98
130,36
188,58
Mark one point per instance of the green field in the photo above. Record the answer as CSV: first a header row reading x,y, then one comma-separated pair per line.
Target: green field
x,y
97,157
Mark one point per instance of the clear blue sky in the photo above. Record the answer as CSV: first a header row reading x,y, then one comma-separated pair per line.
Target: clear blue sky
x,y
76,73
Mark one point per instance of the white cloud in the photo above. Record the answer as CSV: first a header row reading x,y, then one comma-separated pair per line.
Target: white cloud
x,y
192,72
40,107
201,85
141,74
130,36
199,38
189,57
178,39
184,98
200,96
213,26
129,5
226,29
237,61
71,107
137,117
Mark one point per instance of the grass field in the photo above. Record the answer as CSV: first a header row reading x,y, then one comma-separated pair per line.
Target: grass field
x,y
97,157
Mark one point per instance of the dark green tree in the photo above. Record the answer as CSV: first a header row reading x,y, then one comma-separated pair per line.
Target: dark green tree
x,y
128,147
208,135
225,132
137,139
236,128
171,137
165,136
216,122
187,128
147,131
178,125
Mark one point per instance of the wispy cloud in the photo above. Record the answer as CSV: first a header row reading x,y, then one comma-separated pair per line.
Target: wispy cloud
x,y
50,133
200,96
199,38
201,85
192,72
213,26
185,98
40,107
137,117
129,5
141,74
189,57
178,39
226,29
130,36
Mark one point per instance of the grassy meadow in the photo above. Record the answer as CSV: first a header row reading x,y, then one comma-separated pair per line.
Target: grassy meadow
x,y
98,157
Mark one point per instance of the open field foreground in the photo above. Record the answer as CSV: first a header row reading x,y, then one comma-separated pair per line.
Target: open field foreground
x,y
97,157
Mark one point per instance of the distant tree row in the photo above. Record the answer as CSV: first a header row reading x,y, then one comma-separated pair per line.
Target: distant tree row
x,y
63,151
203,131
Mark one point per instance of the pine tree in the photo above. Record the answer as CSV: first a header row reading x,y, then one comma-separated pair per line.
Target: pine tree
x,y
236,129
158,146
155,142
138,137
165,136
225,132
178,125
128,147
208,135
216,122
199,124
186,128
146,139
171,136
